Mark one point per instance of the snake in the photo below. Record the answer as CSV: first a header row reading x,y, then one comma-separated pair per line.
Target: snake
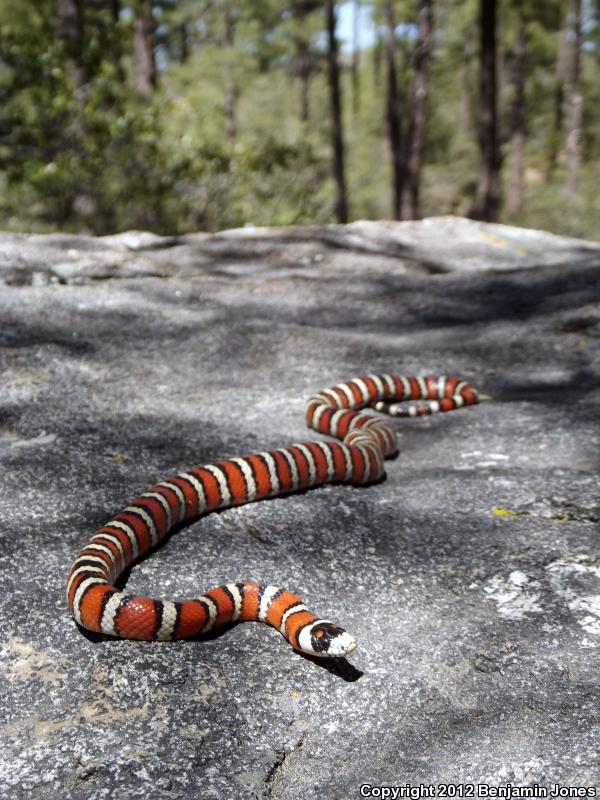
x,y
364,440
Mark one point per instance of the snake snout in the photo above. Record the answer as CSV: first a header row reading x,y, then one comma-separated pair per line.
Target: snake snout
x,y
329,640
342,645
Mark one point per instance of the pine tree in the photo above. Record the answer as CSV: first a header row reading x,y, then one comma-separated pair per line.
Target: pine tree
x,y
416,133
335,99
574,132
144,41
488,190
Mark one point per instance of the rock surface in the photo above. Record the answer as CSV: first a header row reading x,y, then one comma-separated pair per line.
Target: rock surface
x,y
470,576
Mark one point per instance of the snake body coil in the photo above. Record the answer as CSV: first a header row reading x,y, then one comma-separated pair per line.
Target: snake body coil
x,y
366,441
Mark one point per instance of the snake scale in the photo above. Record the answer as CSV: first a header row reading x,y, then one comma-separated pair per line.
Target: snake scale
x,y
366,440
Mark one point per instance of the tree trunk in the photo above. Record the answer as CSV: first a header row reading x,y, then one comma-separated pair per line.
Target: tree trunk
x,y
466,106
598,31
558,102
575,107
117,41
333,75
303,66
71,27
416,139
231,91
516,192
501,77
115,9
488,190
304,74
356,8
393,113
303,58
143,48
377,62
184,50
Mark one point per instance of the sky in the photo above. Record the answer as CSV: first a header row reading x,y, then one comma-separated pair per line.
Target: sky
x,y
366,29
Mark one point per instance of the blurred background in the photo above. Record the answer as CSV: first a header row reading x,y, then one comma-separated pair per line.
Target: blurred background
x,y
183,115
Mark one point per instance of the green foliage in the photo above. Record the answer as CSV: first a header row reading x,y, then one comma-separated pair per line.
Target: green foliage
x,y
71,156
81,150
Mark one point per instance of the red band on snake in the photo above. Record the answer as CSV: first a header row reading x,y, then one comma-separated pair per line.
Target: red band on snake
x,y
358,458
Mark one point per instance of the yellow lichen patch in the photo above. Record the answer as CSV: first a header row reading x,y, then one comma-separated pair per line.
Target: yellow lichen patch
x,y
118,458
492,237
504,512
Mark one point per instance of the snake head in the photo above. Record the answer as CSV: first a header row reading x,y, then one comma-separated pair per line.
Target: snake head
x,y
326,640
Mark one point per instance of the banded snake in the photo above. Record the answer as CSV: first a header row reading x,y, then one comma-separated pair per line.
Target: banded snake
x,y
366,440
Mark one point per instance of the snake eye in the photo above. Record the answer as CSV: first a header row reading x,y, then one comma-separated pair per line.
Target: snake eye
x,y
322,635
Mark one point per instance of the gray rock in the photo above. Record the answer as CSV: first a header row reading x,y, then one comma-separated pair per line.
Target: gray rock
x,y
470,576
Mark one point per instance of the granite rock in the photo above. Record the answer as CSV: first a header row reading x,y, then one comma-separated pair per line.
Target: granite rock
x,y
470,576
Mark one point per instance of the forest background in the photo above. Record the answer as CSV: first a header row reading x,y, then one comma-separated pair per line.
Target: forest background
x,y
181,115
